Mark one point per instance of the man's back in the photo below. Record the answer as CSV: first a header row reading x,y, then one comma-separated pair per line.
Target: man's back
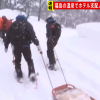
x,y
18,33
21,32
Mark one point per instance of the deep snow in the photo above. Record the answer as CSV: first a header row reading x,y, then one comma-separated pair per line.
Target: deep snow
x,y
80,63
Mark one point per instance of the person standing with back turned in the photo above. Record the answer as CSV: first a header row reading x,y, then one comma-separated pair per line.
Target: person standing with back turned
x,y
53,35
21,34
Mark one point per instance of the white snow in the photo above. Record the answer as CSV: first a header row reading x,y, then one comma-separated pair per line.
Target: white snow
x,y
79,61
88,29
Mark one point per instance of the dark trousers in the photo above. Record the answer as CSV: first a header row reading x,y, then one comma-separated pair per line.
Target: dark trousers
x,y
3,35
18,51
55,40
50,53
50,50
0,34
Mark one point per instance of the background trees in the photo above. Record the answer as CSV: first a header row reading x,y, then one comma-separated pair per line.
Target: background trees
x,y
68,18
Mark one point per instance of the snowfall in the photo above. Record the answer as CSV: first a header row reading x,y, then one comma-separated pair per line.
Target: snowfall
x,y
78,51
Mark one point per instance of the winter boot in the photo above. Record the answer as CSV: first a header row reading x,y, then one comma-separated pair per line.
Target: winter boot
x,y
52,67
19,75
31,74
32,77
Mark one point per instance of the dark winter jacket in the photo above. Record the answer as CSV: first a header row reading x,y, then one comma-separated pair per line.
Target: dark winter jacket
x,y
53,31
29,30
49,30
49,27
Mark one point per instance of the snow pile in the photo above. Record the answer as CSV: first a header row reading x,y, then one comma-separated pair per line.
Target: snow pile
x,y
91,34
90,30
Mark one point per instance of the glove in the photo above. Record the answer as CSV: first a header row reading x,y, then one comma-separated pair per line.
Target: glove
x,y
39,49
6,49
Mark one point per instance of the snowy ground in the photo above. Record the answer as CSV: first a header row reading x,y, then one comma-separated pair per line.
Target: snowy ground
x,y
79,61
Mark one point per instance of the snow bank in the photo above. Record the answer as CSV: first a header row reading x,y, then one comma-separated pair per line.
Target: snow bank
x,y
91,32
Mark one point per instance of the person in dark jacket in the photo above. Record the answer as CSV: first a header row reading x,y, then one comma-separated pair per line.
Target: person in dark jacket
x,y
52,40
23,47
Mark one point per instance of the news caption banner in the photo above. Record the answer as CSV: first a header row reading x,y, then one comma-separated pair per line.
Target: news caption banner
x,y
51,5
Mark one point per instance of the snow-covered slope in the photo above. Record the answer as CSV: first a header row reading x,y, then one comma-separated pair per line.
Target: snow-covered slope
x,y
79,62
